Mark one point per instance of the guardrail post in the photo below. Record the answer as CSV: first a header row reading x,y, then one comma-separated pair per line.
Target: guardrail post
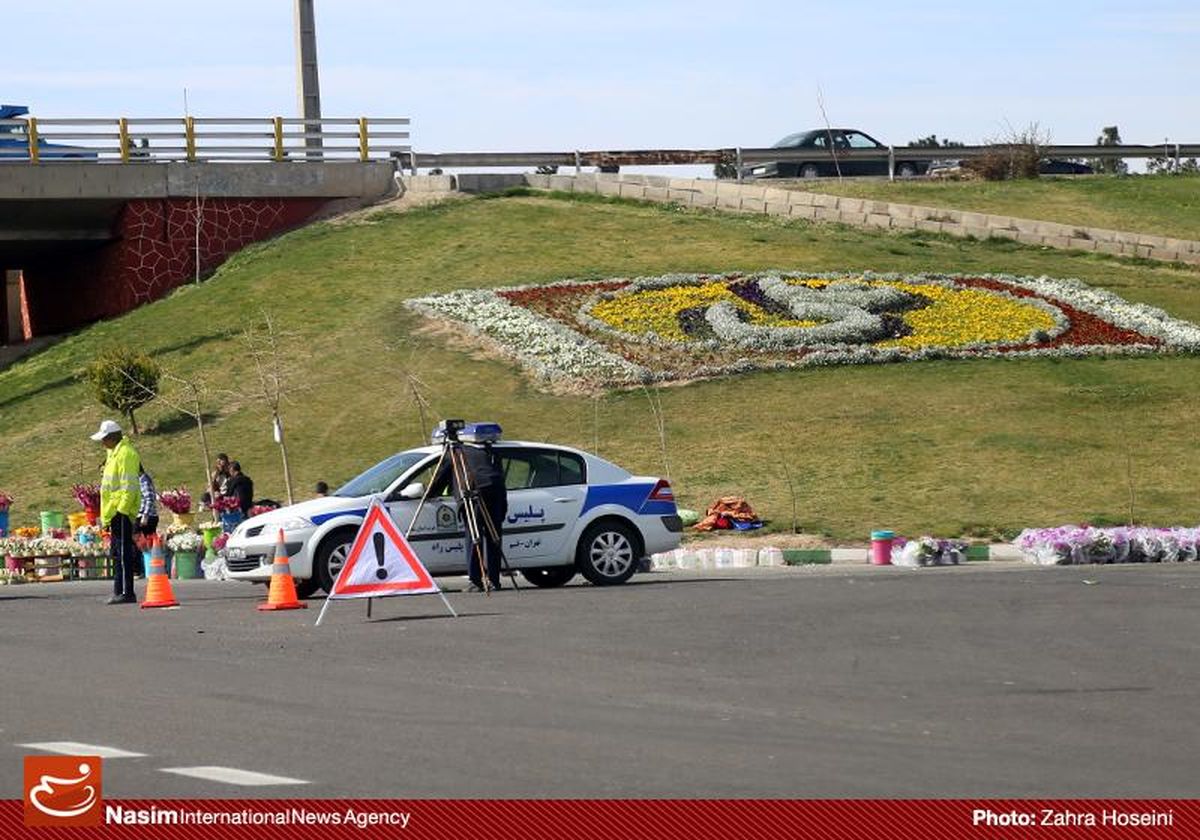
x,y
123,138
891,163
738,163
1176,157
578,163
189,135
412,159
364,149
277,124
33,140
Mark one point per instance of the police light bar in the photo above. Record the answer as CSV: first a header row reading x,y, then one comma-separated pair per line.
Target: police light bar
x,y
466,432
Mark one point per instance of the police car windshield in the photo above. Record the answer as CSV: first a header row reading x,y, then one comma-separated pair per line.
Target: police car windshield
x,y
381,476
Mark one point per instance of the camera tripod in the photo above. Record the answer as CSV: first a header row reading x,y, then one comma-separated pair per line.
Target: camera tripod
x,y
476,517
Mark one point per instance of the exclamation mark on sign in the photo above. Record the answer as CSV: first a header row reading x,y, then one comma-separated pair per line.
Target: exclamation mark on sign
x,y
381,572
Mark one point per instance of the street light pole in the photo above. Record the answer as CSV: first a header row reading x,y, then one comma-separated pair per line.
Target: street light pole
x,y
308,86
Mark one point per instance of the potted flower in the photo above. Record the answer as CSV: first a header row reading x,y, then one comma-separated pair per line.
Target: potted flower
x,y
229,510
88,497
5,502
50,554
179,502
185,546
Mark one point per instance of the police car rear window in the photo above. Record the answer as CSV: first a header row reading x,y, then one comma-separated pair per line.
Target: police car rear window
x,y
532,468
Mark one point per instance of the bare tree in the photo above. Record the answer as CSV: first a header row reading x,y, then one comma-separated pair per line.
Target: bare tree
x,y
660,423
198,218
277,376
192,407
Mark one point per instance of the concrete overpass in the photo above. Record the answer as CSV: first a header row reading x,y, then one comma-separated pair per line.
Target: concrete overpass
x,y
85,240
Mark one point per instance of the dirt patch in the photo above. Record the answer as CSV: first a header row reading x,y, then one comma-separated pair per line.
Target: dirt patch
x,y
399,204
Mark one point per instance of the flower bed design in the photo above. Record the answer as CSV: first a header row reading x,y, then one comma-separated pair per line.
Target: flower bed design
x,y
686,326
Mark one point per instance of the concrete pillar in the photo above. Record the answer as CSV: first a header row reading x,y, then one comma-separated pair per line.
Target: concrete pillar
x,y
13,323
308,86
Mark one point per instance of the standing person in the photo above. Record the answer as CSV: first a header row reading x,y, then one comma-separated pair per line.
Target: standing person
x,y
241,486
484,477
147,524
219,480
120,502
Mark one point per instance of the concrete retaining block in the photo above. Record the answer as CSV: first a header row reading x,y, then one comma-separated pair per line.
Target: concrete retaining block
x,y
848,555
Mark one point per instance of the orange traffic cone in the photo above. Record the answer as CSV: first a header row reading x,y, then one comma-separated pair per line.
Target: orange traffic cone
x,y
282,594
158,587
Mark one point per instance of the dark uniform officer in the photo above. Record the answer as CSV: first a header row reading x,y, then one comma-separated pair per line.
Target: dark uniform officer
x,y
485,475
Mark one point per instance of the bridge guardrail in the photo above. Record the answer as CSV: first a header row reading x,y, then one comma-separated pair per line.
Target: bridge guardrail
x,y
139,140
280,139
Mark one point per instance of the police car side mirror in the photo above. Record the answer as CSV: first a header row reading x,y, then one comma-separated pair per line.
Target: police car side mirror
x,y
413,491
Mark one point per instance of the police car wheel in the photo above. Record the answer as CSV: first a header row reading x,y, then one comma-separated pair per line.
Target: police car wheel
x,y
307,588
549,577
607,553
331,556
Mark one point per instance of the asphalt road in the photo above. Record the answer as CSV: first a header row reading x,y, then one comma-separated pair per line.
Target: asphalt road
x,y
995,679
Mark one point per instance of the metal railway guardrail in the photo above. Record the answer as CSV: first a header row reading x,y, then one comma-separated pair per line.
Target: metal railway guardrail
x,y
169,139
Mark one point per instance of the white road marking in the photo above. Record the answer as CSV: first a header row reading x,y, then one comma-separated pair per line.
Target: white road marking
x,y
233,776
76,748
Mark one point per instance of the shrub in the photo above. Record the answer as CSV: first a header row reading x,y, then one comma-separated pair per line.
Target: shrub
x,y
124,380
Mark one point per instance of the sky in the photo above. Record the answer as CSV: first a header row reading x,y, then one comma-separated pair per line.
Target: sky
x,y
527,75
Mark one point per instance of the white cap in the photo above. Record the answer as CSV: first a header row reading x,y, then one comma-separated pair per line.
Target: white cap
x,y
108,427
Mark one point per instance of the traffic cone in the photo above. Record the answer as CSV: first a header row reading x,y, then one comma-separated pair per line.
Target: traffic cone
x,y
158,586
282,594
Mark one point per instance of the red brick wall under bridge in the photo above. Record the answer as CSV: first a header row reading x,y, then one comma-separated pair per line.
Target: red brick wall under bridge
x,y
153,251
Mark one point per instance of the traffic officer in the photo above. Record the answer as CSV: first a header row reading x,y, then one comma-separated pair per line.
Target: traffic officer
x,y
120,501
479,469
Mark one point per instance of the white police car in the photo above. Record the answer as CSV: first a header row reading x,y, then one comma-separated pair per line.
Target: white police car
x,y
568,511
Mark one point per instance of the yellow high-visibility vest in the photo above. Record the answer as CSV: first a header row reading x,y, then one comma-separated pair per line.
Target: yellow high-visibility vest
x,y
120,490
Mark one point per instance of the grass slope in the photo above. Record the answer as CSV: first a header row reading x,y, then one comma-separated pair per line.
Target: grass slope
x,y
943,447
1162,205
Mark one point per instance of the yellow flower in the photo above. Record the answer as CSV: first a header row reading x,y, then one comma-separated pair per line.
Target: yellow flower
x,y
658,310
957,317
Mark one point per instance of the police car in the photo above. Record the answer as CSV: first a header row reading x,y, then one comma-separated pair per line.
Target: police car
x,y
568,512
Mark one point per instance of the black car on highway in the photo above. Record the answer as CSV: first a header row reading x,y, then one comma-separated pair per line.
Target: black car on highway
x,y
826,144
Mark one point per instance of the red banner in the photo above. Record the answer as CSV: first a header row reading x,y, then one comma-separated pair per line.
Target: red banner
x,y
218,819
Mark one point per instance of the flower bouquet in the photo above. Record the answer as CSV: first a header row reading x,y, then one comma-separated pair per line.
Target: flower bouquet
x,y
257,509
178,500
220,541
187,541
1072,545
88,497
27,532
225,504
927,551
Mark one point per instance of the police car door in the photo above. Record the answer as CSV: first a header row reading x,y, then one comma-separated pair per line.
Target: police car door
x,y
437,536
546,490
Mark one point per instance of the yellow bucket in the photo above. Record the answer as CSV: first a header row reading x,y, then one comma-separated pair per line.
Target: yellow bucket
x,y
76,520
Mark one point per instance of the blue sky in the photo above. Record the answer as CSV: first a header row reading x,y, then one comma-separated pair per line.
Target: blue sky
x,y
526,75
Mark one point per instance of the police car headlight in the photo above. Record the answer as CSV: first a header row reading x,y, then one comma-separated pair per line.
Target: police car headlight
x,y
296,523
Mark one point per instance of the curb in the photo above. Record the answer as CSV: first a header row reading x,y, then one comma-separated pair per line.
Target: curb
x,y
689,559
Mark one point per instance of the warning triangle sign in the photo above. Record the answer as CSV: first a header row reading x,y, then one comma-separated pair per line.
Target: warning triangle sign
x,y
381,562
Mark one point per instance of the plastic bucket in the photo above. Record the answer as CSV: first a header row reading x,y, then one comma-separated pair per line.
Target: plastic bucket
x,y
881,548
231,519
77,520
52,519
187,567
4,522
